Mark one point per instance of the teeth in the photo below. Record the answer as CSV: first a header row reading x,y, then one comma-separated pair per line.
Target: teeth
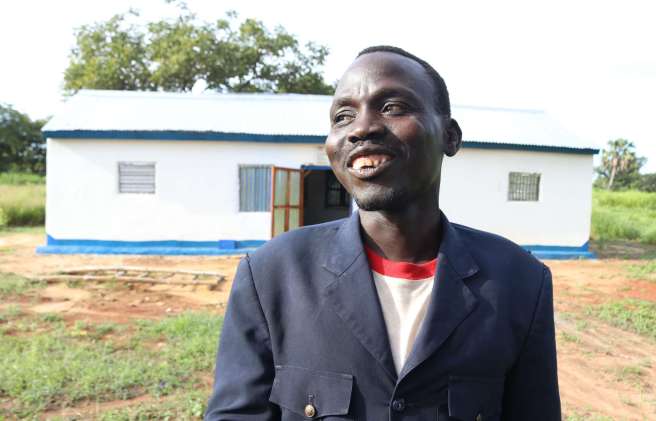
x,y
371,161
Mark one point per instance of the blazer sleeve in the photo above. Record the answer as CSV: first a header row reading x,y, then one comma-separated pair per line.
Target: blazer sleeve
x,y
531,390
244,364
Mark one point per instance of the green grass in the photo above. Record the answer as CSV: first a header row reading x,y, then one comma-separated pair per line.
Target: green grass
x,y
587,417
20,179
627,215
646,271
23,205
12,285
63,366
629,314
183,407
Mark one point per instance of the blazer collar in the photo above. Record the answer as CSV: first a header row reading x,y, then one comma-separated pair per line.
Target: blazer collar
x,y
347,248
354,297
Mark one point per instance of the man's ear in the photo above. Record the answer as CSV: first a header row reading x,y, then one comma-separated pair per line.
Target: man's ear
x,y
453,138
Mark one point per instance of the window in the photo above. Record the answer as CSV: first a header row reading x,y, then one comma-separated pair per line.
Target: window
x,y
254,188
524,187
336,194
136,177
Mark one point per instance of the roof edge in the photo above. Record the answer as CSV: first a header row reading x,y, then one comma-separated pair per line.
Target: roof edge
x,y
276,138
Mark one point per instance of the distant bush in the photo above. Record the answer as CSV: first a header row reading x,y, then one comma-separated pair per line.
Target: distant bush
x,y
3,219
20,179
23,205
626,215
648,183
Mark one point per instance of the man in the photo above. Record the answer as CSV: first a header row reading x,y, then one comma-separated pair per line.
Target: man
x,y
394,313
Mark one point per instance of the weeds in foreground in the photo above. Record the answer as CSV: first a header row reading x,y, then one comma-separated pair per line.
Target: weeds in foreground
x,y
12,285
645,271
638,316
160,358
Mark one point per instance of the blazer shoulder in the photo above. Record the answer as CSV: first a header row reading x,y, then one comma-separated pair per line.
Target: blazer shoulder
x,y
499,254
298,243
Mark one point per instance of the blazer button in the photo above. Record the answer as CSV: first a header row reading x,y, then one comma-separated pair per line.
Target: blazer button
x,y
310,411
479,417
398,405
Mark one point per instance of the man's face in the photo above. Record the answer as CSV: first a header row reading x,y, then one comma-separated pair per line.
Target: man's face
x,y
386,138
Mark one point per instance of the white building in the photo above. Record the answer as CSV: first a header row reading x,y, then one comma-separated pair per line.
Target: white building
x,y
168,173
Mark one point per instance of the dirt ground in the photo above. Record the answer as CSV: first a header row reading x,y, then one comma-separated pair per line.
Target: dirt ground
x,y
597,363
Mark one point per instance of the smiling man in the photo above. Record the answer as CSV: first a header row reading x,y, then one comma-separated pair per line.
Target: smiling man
x,y
394,313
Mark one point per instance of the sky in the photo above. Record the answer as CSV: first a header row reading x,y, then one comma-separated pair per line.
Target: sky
x,y
590,64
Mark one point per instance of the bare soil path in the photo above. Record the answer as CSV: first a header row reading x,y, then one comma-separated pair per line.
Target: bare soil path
x,y
604,372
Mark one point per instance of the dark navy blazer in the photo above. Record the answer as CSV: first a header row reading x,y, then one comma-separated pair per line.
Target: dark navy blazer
x,y
304,326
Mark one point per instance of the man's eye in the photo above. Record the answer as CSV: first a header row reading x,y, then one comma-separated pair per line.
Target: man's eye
x,y
394,108
343,117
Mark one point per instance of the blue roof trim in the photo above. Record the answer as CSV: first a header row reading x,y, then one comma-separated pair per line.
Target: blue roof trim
x,y
523,147
275,138
181,135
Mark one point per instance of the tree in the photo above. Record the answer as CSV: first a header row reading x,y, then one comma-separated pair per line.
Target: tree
x,y
171,55
22,146
648,183
620,166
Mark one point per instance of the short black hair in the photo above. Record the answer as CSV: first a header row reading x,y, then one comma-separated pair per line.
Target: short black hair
x,y
442,102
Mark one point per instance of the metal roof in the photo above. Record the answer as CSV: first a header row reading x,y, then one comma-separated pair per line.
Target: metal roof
x,y
290,118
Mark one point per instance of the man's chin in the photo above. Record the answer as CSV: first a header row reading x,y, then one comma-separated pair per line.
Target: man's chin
x,y
387,200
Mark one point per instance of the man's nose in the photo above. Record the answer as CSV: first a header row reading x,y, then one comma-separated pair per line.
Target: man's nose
x,y
367,125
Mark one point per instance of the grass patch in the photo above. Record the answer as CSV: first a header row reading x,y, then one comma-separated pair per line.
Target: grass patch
x,y
646,271
20,179
188,406
12,285
23,205
627,215
635,315
587,417
570,337
61,367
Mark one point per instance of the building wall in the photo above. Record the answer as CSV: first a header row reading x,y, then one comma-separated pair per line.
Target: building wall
x,y
474,192
197,191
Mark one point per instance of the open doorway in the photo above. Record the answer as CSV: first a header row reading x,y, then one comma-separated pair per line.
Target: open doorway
x,y
324,198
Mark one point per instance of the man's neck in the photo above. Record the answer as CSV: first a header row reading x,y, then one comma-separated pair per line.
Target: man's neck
x,y
412,234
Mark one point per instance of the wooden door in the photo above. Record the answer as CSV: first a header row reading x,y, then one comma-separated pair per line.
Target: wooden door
x,y
286,199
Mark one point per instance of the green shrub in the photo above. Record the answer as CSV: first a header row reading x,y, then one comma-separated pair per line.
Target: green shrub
x,y
20,179
3,219
23,205
626,215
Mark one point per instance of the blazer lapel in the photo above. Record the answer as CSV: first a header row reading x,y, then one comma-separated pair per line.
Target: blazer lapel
x,y
451,300
353,293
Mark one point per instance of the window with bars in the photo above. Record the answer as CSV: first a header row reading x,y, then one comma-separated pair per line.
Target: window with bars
x,y
136,177
336,194
254,188
523,187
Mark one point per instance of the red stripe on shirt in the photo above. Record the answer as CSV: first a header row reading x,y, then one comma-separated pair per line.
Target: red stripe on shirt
x,y
404,270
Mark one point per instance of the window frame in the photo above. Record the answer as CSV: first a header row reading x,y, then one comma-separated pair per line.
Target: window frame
x,y
524,186
265,204
120,165
344,197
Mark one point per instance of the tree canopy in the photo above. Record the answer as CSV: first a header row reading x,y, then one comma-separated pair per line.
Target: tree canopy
x,y
620,166
22,147
171,55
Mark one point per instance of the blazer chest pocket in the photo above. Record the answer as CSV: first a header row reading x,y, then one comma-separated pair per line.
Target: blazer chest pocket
x,y
475,398
304,394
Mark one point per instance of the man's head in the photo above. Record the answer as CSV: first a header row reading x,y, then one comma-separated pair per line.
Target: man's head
x,y
390,128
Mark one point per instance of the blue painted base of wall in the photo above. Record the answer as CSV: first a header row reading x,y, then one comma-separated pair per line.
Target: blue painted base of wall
x,y
561,252
171,247
231,247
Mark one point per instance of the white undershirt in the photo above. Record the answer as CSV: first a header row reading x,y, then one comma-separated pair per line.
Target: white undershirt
x,y
404,303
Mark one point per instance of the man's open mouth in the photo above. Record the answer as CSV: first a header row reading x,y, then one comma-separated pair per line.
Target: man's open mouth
x,y
367,165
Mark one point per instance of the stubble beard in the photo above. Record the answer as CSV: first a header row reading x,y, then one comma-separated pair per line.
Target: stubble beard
x,y
386,200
